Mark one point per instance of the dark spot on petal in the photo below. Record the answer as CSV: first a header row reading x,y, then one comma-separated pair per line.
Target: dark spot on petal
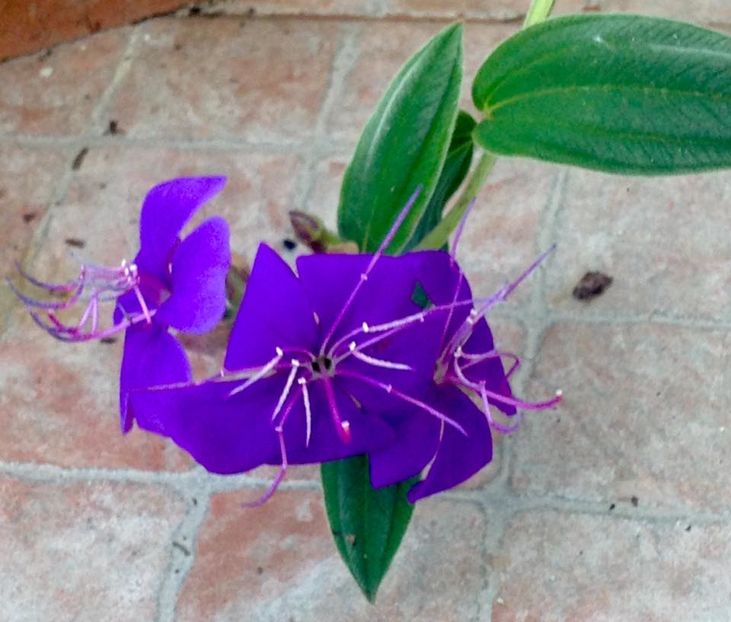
x,y
635,501
591,285
79,159
75,242
290,245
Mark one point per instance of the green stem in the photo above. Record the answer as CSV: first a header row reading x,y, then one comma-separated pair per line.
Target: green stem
x,y
539,11
438,236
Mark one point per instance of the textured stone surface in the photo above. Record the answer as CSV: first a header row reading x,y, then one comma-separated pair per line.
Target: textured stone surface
x,y
643,416
554,567
290,570
664,243
263,83
55,94
84,551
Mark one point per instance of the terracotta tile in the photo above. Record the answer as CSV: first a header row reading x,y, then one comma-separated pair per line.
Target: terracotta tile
x,y
556,567
662,240
300,7
641,404
86,551
59,405
37,24
278,563
259,80
510,10
700,11
28,180
56,94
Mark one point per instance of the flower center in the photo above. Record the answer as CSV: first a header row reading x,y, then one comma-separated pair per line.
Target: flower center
x,y
323,365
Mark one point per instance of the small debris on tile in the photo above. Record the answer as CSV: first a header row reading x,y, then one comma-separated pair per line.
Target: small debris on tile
x,y
635,501
591,285
259,570
612,506
108,340
46,72
289,244
113,128
75,242
689,527
29,216
79,159
181,548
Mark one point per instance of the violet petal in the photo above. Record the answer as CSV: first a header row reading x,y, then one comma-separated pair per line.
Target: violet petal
x,y
151,357
165,210
458,456
274,313
199,269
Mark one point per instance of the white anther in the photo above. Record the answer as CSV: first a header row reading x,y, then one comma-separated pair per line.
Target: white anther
x,y
559,393
301,381
458,352
345,425
351,346
295,363
279,351
363,276
364,326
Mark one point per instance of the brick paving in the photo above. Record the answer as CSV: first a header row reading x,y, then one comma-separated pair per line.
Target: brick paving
x,y
616,506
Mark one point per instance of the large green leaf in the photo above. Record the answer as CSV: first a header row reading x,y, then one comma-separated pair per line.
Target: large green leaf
x,y
618,93
456,166
404,145
367,524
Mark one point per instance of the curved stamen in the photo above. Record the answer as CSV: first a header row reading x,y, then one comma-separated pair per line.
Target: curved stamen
x,y
308,411
47,304
72,334
403,396
342,427
260,374
375,361
287,386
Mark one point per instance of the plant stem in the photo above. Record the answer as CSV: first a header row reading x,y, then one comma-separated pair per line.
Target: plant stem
x,y
438,236
539,11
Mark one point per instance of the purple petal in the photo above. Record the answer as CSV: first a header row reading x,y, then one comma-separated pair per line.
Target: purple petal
x,y
273,314
151,357
387,294
417,439
459,456
199,270
224,433
367,433
166,209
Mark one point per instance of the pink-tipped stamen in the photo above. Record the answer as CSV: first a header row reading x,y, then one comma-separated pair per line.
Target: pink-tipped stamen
x,y
341,427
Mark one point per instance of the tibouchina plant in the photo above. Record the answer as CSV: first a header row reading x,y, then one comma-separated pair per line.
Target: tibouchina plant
x,y
379,364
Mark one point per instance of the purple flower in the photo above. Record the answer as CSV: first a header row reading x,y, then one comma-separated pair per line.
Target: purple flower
x,y
469,384
313,361
170,284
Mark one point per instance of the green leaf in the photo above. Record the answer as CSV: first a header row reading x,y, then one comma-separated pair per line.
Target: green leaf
x,y
617,93
456,166
403,146
367,524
